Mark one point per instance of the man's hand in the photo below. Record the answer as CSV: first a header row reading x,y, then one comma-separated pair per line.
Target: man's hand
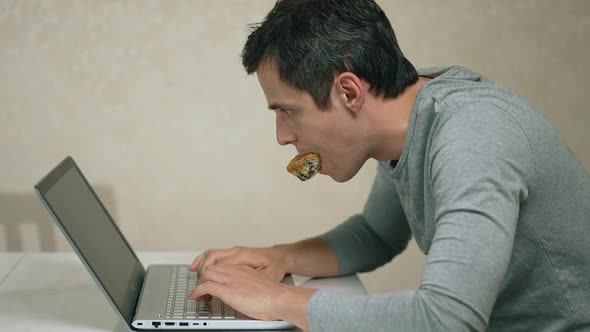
x,y
269,261
254,294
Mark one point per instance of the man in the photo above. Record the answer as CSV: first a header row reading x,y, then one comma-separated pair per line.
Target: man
x,y
490,192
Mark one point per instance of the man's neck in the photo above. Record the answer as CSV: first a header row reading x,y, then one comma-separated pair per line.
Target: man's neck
x,y
391,119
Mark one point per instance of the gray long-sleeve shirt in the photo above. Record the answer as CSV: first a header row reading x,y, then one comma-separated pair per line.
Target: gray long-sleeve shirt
x,y
496,200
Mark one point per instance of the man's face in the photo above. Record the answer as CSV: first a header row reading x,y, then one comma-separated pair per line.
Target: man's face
x,y
335,134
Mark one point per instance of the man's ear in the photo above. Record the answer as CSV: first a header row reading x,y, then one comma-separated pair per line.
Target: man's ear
x,y
351,91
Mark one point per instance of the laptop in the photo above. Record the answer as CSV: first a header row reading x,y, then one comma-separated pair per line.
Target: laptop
x,y
150,299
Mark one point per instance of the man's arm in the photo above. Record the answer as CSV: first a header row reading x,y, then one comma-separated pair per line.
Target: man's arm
x,y
311,258
480,171
369,240
361,243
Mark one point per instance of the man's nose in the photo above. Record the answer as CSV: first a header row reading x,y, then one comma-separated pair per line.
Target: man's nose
x,y
285,135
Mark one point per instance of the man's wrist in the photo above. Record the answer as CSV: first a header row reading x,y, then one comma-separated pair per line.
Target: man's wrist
x,y
286,256
291,305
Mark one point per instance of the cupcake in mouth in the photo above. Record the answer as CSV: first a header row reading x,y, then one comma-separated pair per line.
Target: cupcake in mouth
x,y
305,166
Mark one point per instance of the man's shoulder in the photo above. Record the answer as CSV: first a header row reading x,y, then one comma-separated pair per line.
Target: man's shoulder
x,y
451,72
456,88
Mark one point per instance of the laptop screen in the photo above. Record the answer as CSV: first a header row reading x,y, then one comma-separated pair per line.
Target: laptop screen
x,y
93,234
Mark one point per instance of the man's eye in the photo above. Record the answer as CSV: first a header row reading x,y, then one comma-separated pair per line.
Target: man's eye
x,y
285,110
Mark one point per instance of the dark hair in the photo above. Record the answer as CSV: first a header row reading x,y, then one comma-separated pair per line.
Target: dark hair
x,y
312,40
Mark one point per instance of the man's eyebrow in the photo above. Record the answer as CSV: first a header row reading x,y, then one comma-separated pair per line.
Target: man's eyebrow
x,y
276,106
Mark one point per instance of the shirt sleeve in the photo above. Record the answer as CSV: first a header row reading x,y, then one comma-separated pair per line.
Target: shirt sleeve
x,y
368,240
479,161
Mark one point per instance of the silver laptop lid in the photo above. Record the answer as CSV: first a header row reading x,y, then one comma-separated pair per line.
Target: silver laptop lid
x,y
90,230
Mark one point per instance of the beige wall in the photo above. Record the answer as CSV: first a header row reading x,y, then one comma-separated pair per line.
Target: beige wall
x,y
151,100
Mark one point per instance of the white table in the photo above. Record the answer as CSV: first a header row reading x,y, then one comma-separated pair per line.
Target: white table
x,y
54,292
7,263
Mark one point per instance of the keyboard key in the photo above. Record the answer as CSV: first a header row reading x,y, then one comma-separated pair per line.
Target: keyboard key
x,y
229,313
179,306
240,315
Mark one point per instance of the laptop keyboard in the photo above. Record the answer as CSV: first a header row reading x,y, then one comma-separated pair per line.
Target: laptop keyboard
x,y
180,307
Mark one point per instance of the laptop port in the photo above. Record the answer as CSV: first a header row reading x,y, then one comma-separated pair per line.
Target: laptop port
x,y
169,323
183,324
156,324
